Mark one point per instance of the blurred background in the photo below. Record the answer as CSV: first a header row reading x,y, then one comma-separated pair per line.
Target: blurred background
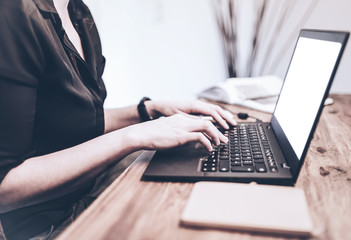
x,y
174,49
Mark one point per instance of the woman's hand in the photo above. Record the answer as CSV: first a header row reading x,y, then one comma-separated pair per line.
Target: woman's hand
x,y
168,108
174,131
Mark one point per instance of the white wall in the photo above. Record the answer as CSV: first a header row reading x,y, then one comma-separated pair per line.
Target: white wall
x,y
164,49
170,49
336,15
330,15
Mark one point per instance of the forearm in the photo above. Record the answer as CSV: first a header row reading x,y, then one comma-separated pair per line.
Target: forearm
x,y
120,117
50,176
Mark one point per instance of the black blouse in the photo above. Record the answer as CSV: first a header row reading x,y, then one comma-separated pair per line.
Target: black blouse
x,y
50,98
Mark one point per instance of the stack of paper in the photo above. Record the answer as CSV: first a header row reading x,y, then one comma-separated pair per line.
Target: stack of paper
x,y
260,93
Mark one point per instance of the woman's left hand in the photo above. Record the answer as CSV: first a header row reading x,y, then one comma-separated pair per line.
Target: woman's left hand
x,y
192,108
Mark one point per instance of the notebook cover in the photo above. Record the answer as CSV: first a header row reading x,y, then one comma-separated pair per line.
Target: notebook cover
x,y
248,207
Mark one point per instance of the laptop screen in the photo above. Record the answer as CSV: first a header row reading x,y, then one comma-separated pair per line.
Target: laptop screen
x,y
304,88
308,80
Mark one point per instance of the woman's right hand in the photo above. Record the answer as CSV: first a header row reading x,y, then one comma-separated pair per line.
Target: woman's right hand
x,y
174,131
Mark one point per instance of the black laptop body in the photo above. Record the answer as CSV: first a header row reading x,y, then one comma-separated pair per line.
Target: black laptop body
x,y
283,142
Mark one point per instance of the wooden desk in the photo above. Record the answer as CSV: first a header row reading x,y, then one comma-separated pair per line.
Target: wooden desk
x,y
133,209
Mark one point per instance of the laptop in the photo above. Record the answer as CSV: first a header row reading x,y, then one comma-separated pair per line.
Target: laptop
x,y
267,153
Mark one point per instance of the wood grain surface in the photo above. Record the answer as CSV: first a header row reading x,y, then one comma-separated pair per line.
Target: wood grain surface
x,y
134,209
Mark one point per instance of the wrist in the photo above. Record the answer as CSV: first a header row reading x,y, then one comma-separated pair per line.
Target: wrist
x,y
135,139
132,140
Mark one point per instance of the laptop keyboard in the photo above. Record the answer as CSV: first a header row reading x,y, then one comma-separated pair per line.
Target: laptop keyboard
x,y
247,150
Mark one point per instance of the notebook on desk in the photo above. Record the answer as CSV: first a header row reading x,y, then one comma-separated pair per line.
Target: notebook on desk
x,y
248,207
270,153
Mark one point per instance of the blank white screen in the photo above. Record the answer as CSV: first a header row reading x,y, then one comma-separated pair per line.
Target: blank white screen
x,y
304,88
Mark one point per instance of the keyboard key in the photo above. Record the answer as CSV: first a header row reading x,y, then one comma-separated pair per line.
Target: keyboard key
x,y
248,151
273,169
235,152
213,169
234,158
224,157
247,162
224,166
235,163
243,169
271,164
213,153
260,167
259,160
244,155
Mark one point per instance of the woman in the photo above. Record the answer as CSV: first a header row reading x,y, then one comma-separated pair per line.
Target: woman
x,y
55,136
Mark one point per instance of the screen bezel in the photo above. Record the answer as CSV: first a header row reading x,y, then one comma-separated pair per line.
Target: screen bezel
x,y
290,156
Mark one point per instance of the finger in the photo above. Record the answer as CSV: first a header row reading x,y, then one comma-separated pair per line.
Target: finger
x,y
199,137
216,116
227,116
224,114
214,111
200,125
222,139
191,116
214,134
207,117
